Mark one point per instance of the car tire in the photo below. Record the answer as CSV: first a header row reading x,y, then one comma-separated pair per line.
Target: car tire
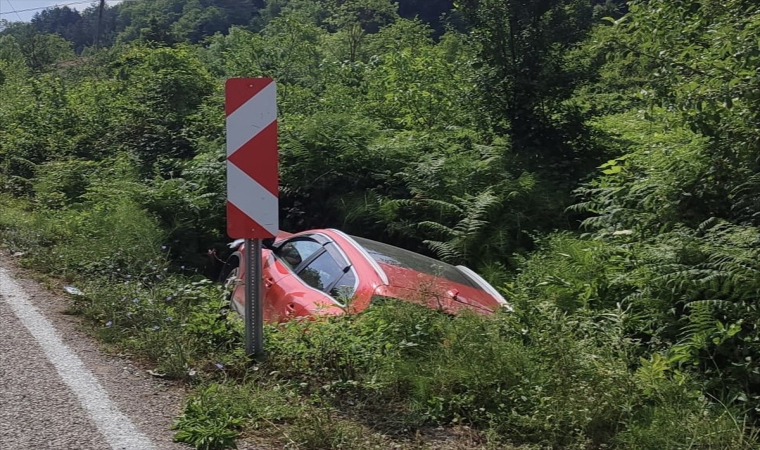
x,y
227,277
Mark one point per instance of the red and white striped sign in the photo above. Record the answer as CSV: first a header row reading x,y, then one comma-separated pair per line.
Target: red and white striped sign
x,y
252,178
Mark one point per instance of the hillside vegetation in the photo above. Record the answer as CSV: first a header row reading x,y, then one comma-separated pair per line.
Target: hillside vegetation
x,y
598,162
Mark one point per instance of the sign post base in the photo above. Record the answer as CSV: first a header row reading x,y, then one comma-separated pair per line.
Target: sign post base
x,y
254,310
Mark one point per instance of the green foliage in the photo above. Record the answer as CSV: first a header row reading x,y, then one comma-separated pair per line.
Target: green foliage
x,y
86,214
703,58
164,86
417,85
689,295
526,79
713,91
638,333
206,424
666,205
215,413
668,179
243,53
530,376
170,21
463,202
323,430
62,183
40,50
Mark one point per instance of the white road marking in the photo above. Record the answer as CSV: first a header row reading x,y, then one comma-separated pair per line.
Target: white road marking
x,y
116,428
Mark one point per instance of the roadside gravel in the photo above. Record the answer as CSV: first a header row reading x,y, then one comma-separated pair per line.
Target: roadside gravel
x,y
39,411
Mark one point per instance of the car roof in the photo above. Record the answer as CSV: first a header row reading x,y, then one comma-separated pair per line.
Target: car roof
x,y
397,265
399,257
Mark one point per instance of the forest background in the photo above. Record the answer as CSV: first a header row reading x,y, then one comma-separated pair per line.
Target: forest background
x,y
596,161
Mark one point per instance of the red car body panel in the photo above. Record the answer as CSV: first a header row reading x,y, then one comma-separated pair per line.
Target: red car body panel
x,y
287,295
434,292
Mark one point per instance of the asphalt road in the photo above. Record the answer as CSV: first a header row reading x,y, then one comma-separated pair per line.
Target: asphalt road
x,y
58,391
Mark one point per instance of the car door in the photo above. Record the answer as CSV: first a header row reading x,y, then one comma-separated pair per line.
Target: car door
x,y
318,278
280,287
277,266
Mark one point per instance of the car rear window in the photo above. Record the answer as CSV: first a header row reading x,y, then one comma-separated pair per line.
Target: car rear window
x,y
388,254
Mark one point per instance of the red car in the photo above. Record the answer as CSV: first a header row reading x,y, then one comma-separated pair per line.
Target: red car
x,y
320,272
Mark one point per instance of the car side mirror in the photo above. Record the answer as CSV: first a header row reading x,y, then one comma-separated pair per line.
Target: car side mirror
x,y
267,243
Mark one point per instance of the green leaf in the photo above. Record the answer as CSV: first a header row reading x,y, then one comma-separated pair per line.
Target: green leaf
x,y
613,170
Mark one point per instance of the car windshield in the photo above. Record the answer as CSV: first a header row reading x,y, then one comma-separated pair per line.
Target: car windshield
x,y
388,254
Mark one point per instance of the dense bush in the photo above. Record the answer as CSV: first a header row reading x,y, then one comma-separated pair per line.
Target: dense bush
x,y
525,378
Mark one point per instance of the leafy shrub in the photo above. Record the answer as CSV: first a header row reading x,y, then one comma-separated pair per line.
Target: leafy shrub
x,y
24,230
207,424
216,412
321,430
541,375
665,176
62,183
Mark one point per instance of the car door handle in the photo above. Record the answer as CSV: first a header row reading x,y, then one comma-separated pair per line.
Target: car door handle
x,y
290,309
268,282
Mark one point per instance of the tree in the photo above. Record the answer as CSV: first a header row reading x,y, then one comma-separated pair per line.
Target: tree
x,y
198,22
63,21
417,84
80,29
353,19
704,59
40,50
526,79
162,88
430,12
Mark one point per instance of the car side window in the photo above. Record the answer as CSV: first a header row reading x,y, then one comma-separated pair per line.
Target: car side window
x,y
322,272
345,286
296,251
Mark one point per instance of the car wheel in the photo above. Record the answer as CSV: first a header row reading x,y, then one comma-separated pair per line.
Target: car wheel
x,y
229,281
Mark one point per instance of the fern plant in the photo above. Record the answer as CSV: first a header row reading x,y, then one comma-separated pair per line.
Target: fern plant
x,y
465,237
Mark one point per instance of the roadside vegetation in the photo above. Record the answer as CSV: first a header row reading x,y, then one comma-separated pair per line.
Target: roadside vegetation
x,y
598,162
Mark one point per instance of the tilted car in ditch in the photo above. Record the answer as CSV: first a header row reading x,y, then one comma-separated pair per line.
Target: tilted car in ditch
x,y
327,272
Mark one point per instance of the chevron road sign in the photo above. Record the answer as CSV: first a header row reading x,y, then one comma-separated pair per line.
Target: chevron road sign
x,y
252,178
252,187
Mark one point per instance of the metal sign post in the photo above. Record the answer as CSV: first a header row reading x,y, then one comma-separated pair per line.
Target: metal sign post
x,y
252,187
254,305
